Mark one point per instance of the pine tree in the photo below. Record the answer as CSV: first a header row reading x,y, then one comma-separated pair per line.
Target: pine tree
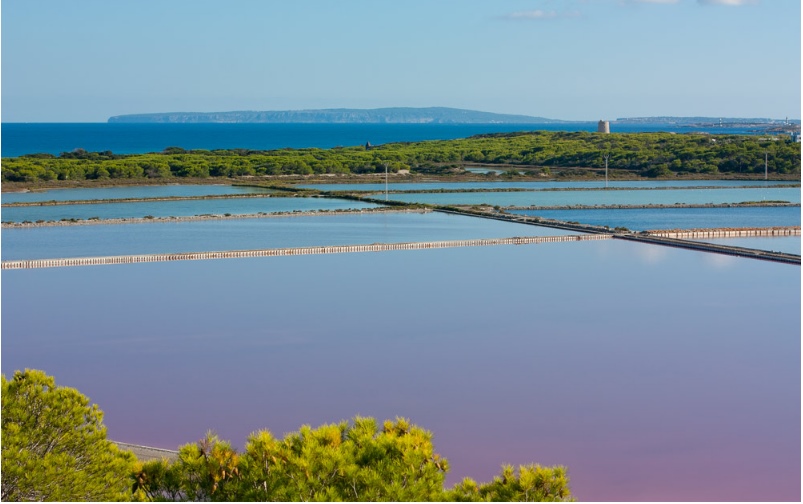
x,y
54,445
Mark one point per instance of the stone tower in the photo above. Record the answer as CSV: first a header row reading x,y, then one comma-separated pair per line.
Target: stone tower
x,y
603,127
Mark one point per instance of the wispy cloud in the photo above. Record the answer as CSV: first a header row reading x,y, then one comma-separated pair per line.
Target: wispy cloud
x,y
729,3
652,2
533,14
537,15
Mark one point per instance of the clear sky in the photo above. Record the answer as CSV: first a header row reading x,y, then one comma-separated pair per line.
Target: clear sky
x,y
86,60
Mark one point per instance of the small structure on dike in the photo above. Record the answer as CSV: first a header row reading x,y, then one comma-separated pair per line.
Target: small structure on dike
x,y
603,127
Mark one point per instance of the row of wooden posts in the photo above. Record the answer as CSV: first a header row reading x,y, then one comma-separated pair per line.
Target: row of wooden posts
x,y
331,249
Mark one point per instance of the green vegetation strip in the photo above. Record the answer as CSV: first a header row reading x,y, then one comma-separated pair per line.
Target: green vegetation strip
x,y
638,154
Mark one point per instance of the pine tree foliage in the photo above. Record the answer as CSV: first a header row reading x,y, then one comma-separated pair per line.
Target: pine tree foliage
x,y
203,471
533,483
348,461
54,445
354,461
644,154
54,448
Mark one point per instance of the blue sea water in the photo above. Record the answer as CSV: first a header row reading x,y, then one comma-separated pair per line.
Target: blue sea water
x,y
53,138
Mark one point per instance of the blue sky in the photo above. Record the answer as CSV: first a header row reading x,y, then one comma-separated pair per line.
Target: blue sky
x,y
86,60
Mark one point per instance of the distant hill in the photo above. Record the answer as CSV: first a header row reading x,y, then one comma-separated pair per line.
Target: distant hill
x,y
398,115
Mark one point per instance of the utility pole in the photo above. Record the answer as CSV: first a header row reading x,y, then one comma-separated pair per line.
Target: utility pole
x,y
606,170
766,157
386,181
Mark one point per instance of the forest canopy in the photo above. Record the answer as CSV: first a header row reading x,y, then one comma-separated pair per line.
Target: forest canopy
x,y
642,154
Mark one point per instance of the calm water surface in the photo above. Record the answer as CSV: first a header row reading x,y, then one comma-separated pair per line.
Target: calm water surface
x,y
54,138
603,197
787,244
547,184
636,366
181,208
248,234
641,219
162,191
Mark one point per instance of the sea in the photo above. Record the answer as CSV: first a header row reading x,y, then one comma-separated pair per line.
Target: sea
x,y
637,366
54,138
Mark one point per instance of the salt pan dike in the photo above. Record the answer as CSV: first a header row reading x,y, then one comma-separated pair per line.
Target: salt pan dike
x,y
255,234
786,244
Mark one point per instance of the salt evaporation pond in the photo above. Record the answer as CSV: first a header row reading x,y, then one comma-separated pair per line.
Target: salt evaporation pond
x,y
178,208
603,197
258,233
786,244
547,184
641,219
155,191
653,373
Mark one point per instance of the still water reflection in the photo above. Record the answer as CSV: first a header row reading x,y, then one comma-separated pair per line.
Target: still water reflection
x,y
786,244
248,234
637,366
603,197
155,191
640,219
547,184
182,208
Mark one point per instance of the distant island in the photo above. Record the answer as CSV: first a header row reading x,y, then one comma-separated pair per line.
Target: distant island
x,y
691,121
395,115
427,115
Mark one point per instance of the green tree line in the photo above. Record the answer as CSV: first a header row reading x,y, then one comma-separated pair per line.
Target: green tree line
x,y
646,154
54,448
